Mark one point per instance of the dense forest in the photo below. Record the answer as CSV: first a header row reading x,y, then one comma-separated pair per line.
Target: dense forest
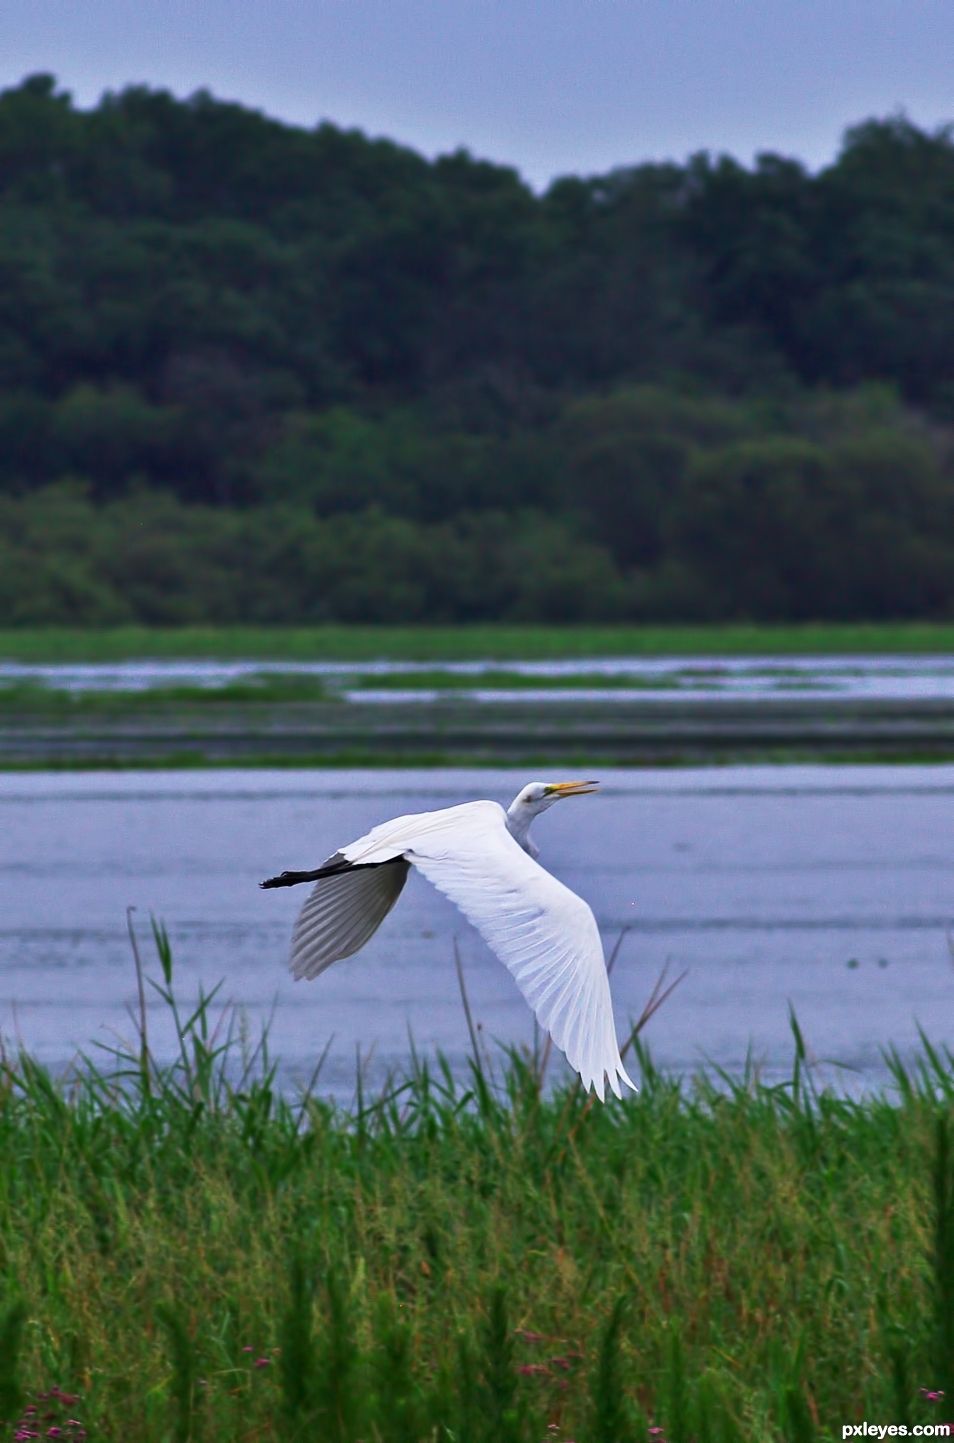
x,y
251,372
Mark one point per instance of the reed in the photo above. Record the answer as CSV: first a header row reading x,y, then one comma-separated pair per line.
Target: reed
x,y
189,1252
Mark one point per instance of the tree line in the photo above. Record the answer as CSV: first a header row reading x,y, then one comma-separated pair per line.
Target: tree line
x,y
252,372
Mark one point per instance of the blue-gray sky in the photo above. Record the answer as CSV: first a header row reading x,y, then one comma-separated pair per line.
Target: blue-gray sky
x,y
551,86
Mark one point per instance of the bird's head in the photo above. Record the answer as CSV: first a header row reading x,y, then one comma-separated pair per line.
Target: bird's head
x,y
535,797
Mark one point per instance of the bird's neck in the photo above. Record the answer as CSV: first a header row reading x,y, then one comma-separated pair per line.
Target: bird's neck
x,y
519,818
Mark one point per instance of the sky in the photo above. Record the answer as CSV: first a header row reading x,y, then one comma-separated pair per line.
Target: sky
x,y
553,87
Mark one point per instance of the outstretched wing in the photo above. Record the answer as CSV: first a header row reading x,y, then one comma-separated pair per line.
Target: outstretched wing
x,y
545,934
354,891
344,909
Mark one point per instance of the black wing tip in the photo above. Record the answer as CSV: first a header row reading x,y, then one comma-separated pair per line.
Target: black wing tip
x,y
332,868
290,879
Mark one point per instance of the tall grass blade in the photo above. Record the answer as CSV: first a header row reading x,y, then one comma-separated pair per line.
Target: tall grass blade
x,y
943,1257
183,1386
612,1421
499,1411
797,1423
396,1396
142,1026
11,1337
677,1409
297,1357
338,1395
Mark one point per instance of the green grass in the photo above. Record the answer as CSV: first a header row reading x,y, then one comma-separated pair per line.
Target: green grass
x,y
496,679
460,643
275,688
372,759
40,699
676,678
188,1254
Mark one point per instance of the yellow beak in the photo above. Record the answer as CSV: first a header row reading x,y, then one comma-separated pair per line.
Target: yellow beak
x,y
572,789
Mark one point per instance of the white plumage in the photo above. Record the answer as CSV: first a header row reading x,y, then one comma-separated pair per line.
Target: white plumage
x,y
480,857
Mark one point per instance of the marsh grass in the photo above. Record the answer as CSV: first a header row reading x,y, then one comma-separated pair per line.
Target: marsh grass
x,y
497,679
38,698
189,1253
477,642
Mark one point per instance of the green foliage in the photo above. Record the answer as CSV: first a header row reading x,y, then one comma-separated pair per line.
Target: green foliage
x,y
183,1387
438,644
11,1337
612,1420
497,1414
943,1257
297,1365
251,373
194,1254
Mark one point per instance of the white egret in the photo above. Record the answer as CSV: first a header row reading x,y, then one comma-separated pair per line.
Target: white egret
x,y
482,858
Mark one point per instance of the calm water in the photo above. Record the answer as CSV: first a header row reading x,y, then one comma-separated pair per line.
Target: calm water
x,y
829,888
876,678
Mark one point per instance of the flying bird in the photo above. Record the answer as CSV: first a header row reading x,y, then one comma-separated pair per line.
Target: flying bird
x,y
482,858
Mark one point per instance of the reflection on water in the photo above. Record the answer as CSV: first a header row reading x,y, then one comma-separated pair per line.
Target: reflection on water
x,y
827,888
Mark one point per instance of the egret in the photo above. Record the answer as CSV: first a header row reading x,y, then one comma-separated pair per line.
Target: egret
x,y
482,858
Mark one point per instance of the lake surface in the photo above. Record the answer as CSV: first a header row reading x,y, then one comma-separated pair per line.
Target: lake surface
x,y
828,888
874,678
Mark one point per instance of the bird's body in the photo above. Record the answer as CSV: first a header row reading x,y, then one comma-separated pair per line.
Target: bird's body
x,y
482,858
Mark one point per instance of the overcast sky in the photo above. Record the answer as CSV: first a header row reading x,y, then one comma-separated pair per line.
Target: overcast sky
x,y
551,86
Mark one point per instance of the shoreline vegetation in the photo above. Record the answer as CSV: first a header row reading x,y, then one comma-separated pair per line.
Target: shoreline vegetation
x,y
54,731
190,1253
429,717
63,645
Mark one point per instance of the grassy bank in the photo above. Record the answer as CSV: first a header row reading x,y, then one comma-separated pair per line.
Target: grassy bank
x,y
42,698
33,698
187,1256
460,643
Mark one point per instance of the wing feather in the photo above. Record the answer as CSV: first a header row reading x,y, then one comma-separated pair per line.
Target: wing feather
x,y
543,932
341,913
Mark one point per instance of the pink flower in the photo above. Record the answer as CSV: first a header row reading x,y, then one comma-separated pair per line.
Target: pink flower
x,y
263,1362
530,1370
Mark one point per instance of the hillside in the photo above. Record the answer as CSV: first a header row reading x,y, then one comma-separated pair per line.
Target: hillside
x,y
253,373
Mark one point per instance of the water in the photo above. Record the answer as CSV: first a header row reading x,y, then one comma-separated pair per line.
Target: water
x,y
827,888
876,678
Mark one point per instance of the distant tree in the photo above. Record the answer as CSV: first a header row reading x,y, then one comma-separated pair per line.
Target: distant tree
x,y
780,528
750,523
301,374
114,435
